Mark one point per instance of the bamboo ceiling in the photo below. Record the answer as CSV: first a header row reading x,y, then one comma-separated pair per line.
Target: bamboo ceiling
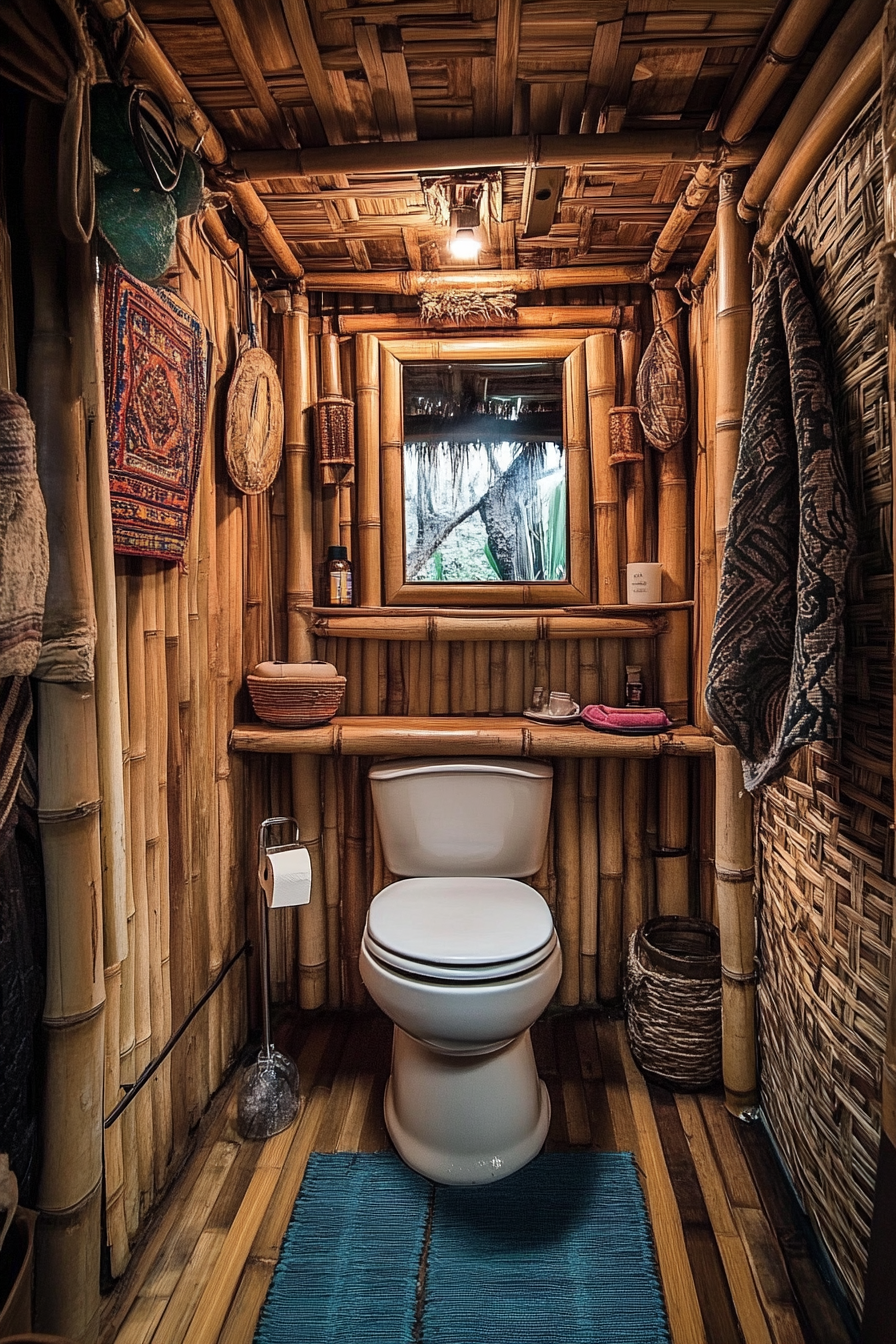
x,y
287,74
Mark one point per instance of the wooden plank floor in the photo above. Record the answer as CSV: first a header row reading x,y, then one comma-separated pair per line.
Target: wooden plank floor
x,y
734,1262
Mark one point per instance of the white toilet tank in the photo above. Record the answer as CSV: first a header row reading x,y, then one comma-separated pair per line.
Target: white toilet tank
x,y
455,816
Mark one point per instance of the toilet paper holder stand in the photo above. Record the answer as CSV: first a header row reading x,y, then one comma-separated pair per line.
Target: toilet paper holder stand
x,y
269,1092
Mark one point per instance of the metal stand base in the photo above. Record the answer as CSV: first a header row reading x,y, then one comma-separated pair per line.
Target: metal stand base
x,y
269,1096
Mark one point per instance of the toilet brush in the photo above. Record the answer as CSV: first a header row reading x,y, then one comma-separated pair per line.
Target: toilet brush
x,y
269,1091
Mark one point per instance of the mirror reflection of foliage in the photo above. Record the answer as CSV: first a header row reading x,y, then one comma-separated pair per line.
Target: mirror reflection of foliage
x,y
486,509
485,472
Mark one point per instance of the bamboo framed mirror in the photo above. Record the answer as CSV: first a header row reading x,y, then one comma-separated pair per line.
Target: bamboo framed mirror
x,y
485,471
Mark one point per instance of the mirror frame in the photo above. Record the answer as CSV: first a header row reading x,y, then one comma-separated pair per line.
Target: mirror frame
x,y
574,591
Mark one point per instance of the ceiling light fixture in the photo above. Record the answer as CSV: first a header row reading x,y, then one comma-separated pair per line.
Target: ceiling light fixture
x,y
464,243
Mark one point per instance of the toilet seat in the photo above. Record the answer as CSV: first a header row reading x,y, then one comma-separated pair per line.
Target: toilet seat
x,y
460,929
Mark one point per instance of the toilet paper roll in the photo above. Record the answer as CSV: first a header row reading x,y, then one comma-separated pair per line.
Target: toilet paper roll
x,y
285,876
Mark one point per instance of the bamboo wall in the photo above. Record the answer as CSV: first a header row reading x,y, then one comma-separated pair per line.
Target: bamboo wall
x,y
626,838
180,652
826,880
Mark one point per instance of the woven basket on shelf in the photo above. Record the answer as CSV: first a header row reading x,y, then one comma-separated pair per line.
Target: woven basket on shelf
x,y
673,1001
296,701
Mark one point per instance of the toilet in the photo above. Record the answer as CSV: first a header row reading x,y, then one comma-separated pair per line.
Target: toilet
x,y
463,957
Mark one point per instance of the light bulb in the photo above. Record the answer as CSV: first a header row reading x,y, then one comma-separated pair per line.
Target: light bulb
x,y
464,245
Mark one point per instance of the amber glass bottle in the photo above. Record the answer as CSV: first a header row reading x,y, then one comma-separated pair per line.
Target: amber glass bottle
x,y
339,577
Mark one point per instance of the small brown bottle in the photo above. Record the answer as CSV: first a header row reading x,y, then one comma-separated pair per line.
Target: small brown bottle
x,y
339,577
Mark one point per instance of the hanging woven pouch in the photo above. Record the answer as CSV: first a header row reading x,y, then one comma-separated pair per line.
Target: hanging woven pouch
x,y
662,405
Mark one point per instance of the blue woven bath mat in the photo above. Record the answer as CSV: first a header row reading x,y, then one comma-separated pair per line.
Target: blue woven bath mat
x,y
560,1251
348,1267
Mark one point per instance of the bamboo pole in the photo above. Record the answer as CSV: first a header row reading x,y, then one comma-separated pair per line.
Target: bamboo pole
x,y
297,457
414,283
684,212
634,816
601,374
733,342
702,344
440,697
589,880
705,261
473,626
841,106
673,653
511,151
496,682
566,815
354,881
367,393
509,736
127,1034
852,30
785,46
115,940
456,677
228,771
733,810
69,1192
84,308
391,447
331,840
734,885
636,540
160,1006
524,319
300,595
204,602
142,1105
609,813
672,543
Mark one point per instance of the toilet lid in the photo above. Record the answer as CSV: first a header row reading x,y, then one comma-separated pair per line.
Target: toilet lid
x,y
465,927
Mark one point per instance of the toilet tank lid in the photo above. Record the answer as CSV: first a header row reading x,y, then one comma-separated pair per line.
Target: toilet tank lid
x,y
461,765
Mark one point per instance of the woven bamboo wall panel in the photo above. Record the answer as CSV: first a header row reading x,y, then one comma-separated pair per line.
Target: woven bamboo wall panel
x,y
826,889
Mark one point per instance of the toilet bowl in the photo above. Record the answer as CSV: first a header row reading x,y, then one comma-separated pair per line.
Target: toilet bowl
x,y
463,957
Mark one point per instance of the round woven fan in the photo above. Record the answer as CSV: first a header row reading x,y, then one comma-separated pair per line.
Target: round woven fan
x,y
253,435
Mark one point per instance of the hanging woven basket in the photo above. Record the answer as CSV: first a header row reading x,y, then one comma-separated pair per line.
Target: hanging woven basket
x,y
334,418
253,432
626,444
673,1001
662,404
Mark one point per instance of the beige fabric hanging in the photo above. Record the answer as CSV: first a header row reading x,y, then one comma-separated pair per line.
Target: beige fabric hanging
x,y
24,554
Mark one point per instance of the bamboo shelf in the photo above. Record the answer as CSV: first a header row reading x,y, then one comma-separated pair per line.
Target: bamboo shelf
x,y
401,735
617,621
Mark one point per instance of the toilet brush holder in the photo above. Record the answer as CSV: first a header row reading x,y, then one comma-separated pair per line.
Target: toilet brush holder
x,y
269,1091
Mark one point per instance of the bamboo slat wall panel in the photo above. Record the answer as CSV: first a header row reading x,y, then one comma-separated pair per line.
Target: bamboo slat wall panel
x,y
826,878
599,859
181,662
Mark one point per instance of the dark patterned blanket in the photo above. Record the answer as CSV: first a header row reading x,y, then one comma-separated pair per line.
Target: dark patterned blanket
x,y
773,682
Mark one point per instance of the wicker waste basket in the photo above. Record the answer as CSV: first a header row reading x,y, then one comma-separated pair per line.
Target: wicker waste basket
x,y
673,1001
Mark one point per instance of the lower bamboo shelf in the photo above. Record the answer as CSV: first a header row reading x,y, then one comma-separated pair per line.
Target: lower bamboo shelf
x,y
399,735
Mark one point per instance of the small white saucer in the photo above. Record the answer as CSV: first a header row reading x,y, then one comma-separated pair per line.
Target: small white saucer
x,y
541,716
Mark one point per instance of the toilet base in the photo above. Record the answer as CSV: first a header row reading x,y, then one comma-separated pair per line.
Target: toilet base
x,y
465,1119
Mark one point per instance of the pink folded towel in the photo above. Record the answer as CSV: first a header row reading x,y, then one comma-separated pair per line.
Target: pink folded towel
x,y
606,716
